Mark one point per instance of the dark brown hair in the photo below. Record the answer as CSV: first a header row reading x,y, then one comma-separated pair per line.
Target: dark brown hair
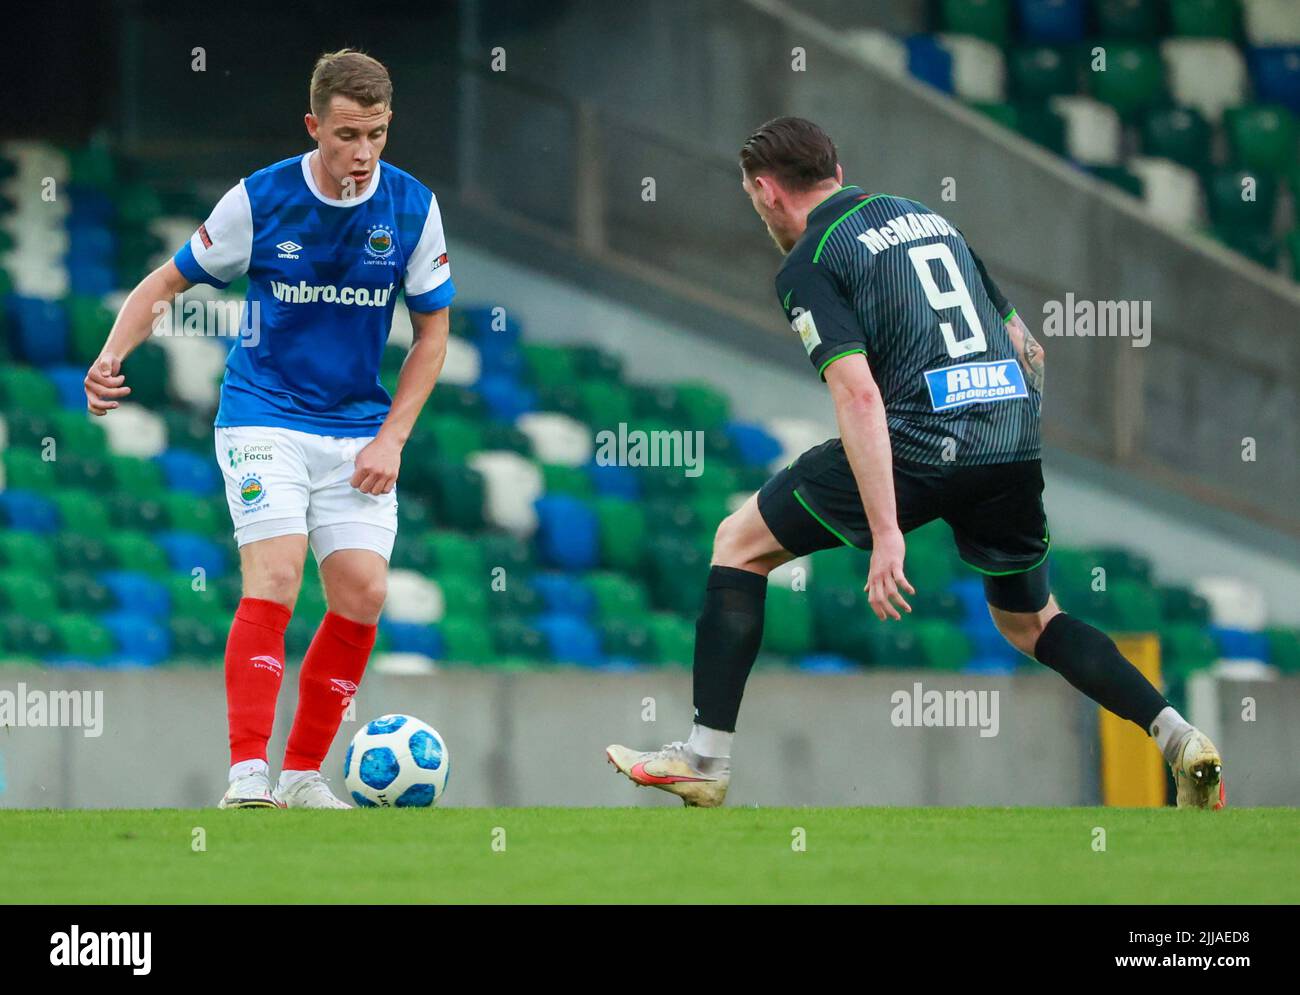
x,y
352,74
793,149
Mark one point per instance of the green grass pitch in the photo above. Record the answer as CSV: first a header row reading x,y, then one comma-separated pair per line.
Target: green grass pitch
x,y
887,855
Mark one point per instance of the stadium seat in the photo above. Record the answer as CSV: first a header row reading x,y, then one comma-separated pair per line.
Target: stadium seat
x,y
788,621
1242,199
568,533
672,637
1041,71
1052,21
137,592
1132,20
138,637
1271,22
930,62
1178,133
29,511
512,485
987,19
1205,18
1093,130
1172,193
413,637
1207,74
26,593
556,438
979,70
1133,79
1262,137
135,430
1276,72
570,638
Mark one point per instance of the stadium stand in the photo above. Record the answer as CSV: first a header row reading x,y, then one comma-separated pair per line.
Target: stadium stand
x,y
1193,110
518,548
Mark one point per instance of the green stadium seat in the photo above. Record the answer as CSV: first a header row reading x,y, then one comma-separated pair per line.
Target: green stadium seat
x,y
677,575
1206,18
146,374
1230,207
127,511
27,593
1182,605
1041,71
136,551
673,638
617,596
626,637
604,404
1263,137
1135,20
186,430
500,435
1256,245
466,596
894,646
515,637
26,637
1284,649
987,19
549,364
1003,113
623,533
455,553
28,551
86,473
89,323
1118,176
452,437
501,549
190,514
1185,649
197,638
571,480
787,621
459,495
81,511
942,645
594,363
668,516
1178,133
299,634
206,603
81,636
1039,123
78,432
25,470
1293,249
23,388
412,551
76,590
92,165
703,406
658,402
1121,563
140,476
1133,80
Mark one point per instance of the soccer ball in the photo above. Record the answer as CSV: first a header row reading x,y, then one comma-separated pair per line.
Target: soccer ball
x,y
398,761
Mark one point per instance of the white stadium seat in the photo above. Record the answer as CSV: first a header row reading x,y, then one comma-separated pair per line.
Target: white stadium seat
x,y
463,364
880,48
135,431
979,70
557,438
1093,131
403,664
1272,22
1234,604
1205,73
413,597
795,435
512,484
1171,192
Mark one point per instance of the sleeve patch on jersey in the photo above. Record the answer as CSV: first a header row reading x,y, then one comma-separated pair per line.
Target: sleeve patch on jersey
x,y
802,322
204,237
440,262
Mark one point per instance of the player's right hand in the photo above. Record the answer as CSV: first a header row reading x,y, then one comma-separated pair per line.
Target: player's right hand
x,y
885,576
105,383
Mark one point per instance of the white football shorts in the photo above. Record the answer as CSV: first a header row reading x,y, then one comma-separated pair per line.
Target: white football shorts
x,y
283,482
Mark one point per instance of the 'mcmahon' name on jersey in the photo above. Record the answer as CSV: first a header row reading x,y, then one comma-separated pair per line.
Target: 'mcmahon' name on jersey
x,y
322,272
887,277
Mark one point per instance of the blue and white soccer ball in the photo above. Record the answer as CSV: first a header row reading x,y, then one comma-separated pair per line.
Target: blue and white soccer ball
x,y
396,761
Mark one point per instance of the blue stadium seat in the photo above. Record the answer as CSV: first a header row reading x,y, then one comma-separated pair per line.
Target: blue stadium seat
x,y
413,637
987,643
38,330
613,480
89,206
69,385
1053,21
1276,72
190,472
1240,644
827,663
90,243
570,639
139,638
137,593
930,62
564,594
90,278
499,357
970,592
755,445
185,551
29,512
568,534
481,320
505,397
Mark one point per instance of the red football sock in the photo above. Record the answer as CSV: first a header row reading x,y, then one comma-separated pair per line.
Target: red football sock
x,y
254,667
331,671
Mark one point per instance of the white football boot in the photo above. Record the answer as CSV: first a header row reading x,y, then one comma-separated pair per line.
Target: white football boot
x,y
1198,772
308,792
250,791
698,781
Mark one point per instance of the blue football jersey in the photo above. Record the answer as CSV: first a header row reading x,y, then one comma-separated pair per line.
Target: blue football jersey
x,y
323,278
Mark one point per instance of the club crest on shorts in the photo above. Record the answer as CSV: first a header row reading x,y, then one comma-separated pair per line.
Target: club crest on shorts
x,y
251,490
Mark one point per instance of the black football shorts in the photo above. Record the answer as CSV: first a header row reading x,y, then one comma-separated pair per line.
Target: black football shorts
x,y
995,511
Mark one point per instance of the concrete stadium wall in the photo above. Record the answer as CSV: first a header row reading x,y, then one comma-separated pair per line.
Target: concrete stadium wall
x,y
538,739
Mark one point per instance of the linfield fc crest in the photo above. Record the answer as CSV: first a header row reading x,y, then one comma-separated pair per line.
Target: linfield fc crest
x,y
379,242
251,490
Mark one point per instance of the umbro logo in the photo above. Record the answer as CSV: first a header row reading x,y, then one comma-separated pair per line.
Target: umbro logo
x,y
345,687
267,663
289,249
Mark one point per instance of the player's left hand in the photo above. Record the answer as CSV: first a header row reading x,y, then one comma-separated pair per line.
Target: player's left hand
x,y
885,576
377,466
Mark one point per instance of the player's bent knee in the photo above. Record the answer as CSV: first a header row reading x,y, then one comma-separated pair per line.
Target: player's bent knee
x,y
1023,629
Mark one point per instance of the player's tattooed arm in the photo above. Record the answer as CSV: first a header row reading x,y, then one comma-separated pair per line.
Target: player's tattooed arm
x,y
1032,357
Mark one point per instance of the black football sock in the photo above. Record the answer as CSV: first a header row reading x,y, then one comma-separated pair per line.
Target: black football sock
x,y
727,637
1090,660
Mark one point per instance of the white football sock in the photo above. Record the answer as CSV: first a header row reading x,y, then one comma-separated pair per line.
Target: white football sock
x,y
288,778
706,742
1168,728
246,767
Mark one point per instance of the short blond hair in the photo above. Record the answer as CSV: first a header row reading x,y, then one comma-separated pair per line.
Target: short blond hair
x,y
352,74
